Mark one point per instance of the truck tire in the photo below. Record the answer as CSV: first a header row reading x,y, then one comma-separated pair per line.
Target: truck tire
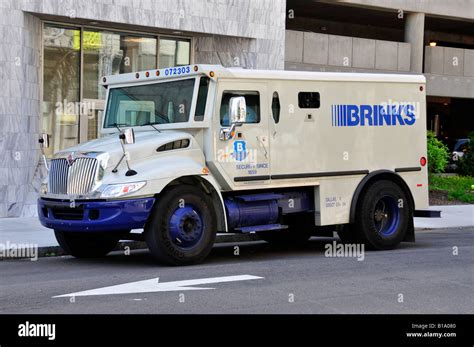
x,y
87,245
382,215
182,226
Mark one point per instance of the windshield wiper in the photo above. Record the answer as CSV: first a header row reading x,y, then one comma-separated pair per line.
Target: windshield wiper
x,y
152,124
118,125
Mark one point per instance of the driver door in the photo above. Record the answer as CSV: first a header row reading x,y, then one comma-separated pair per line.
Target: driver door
x,y
243,161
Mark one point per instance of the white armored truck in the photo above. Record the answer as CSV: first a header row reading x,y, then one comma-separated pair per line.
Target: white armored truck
x,y
191,151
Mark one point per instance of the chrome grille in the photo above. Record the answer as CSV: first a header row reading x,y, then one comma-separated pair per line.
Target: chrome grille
x,y
58,173
75,179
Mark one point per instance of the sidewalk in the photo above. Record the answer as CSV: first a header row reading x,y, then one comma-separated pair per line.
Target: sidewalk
x,y
16,231
451,216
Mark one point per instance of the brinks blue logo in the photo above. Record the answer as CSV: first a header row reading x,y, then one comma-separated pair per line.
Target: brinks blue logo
x,y
373,115
240,150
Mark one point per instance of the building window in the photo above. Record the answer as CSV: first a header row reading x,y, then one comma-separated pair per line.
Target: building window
x,y
174,52
61,86
107,53
73,100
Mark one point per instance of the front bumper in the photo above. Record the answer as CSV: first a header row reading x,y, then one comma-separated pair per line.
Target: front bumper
x,y
90,216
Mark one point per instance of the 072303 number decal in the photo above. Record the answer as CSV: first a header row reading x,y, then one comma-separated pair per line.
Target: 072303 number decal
x,y
177,70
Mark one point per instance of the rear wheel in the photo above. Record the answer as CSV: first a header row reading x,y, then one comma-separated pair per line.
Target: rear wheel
x,y
87,245
182,226
382,215
347,234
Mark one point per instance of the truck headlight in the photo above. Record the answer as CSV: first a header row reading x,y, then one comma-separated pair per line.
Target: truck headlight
x,y
116,190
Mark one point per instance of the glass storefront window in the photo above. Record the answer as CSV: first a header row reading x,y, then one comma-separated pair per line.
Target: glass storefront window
x,y
107,53
73,100
174,52
61,83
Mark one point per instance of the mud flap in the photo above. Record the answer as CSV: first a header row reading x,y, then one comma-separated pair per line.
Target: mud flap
x,y
410,235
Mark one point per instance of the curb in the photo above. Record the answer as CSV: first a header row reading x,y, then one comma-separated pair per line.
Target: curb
x,y
57,251
443,228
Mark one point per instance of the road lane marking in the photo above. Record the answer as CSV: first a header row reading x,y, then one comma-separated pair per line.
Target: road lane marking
x,y
154,285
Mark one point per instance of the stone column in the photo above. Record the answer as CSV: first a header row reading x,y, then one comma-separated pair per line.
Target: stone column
x,y
20,44
414,34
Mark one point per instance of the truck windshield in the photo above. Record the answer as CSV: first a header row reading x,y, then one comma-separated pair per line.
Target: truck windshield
x,y
160,103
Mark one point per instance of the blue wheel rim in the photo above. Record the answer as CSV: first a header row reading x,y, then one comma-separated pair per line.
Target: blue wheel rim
x,y
386,216
186,226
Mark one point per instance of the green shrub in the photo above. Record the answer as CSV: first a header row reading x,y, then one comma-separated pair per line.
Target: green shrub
x,y
438,154
466,163
458,187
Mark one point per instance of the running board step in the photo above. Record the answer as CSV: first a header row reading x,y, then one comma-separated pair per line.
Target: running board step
x,y
427,213
255,228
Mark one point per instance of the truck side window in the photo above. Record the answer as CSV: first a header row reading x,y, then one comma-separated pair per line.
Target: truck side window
x,y
201,99
276,107
308,100
252,101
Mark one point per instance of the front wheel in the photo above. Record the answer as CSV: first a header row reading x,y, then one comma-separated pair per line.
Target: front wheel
x,y
87,244
382,215
182,226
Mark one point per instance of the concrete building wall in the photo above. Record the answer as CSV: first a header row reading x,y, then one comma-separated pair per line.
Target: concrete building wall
x,y
314,51
449,71
243,52
334,27
243,18
20,53
243,33
446,8
449,86
249,33
449,61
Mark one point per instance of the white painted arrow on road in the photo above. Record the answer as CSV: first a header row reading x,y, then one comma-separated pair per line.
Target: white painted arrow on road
x,y
153,285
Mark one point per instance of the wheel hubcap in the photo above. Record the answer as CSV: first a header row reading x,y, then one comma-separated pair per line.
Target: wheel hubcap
x,y
186,227
386,216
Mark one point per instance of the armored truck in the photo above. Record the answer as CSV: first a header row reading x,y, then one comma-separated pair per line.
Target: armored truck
x,y
191,151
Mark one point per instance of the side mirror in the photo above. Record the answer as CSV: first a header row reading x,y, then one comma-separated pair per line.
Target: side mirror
x,y
127,136
237,110
237,116
44,140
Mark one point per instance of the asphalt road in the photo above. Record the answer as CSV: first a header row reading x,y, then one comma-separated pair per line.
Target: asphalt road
x,y
421,277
